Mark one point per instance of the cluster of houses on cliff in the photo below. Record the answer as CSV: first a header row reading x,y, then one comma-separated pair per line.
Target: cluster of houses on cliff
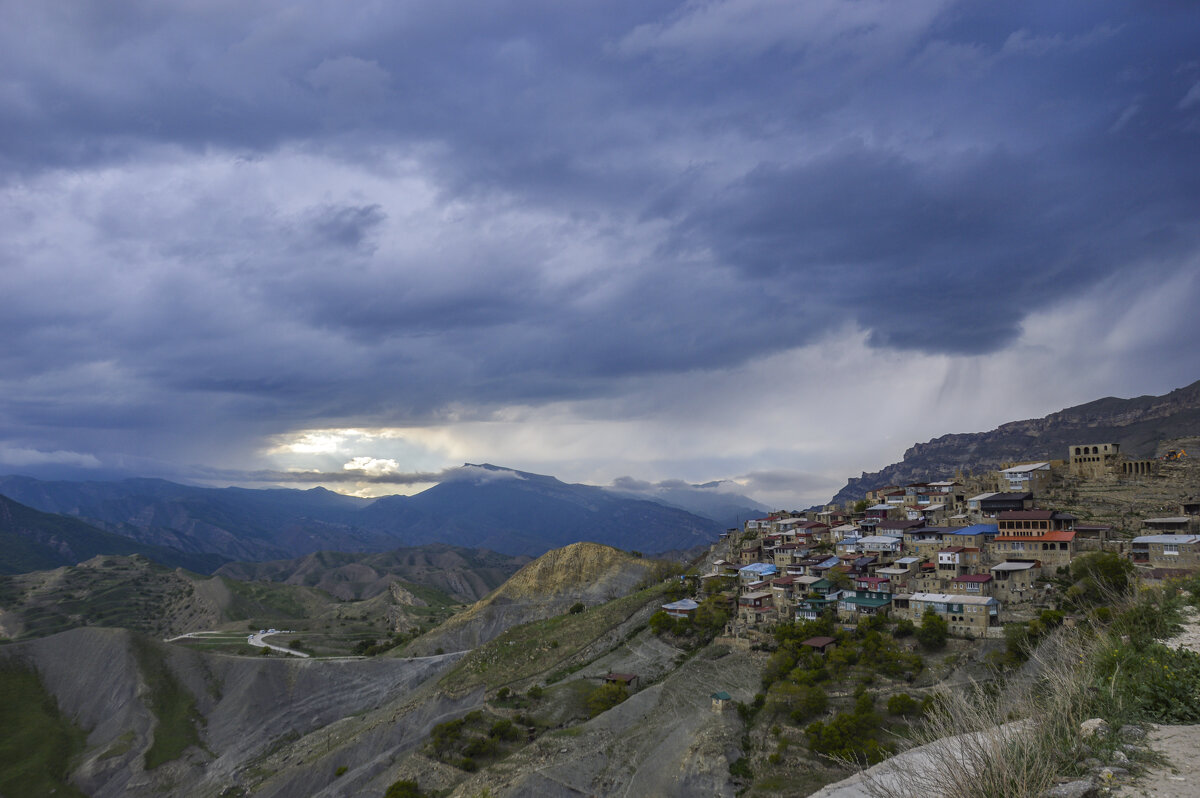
x,y
931,546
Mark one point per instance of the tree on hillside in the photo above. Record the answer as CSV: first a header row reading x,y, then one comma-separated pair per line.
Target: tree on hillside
x,y
1098,576
711,616
933,631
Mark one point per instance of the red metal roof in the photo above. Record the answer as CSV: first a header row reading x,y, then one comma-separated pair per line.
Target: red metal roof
x,y
1048,537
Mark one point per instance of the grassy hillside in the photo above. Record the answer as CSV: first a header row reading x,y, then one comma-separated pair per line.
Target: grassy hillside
x,y
466,574
546,645
135,593
37,745
176,718
127,592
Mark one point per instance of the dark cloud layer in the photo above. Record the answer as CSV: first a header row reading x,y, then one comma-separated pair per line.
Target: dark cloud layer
x,y
226,222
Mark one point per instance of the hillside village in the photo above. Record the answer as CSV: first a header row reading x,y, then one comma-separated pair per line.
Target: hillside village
x,y
979,551
795,644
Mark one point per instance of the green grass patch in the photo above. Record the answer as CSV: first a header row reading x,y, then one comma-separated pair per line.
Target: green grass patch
x,y
121,746
430,595
173,706
274,601
526,650
37,744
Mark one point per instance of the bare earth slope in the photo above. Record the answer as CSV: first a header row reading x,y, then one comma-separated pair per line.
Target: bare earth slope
x,y
253,714
665,740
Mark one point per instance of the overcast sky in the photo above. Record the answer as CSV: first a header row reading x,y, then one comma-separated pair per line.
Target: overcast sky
x,y
768,241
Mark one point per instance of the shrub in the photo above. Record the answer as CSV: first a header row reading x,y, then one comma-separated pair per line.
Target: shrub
x,y
903,704
604,698
778,664
504,730
576,608
810,701
341,771
904,628
661,622
403,789
502,694
535,692
850,736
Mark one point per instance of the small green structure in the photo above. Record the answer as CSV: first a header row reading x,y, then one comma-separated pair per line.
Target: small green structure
x,y
719,700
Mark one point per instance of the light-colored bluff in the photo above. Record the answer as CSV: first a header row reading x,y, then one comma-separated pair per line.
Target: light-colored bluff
x,y
582,572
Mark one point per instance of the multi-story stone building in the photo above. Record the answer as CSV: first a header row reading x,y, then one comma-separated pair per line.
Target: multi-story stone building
x,y
1053,549
1028,477
1166,551
1094,460
971,616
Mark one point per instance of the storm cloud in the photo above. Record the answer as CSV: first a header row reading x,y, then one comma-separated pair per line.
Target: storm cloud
x,y
225,224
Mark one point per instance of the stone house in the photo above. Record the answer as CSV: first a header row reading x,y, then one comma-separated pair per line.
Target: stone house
x,y
1013,580
1029,477
1054,549
1166,551
969,616
972,585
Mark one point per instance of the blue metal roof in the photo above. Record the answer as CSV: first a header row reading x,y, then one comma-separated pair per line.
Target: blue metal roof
x,y
975,529
759,568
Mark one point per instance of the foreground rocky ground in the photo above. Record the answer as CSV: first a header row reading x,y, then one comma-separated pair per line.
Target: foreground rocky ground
x,y
1179,776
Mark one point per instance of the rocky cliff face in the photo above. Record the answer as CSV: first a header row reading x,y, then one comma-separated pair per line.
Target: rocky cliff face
x,y
1138,424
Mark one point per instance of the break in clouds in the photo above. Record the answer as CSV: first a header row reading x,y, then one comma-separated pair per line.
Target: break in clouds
x,y
222,225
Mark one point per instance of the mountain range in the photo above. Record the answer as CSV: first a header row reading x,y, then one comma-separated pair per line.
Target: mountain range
x,y
1139,425
31,541
478,506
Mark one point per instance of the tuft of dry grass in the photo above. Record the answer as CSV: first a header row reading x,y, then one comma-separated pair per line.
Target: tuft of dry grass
x,y
999,740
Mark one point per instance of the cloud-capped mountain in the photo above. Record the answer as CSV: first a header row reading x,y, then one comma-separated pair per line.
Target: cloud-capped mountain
x,y
716,500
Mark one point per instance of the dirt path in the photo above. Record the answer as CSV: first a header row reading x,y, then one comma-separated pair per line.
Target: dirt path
x,y
1180,776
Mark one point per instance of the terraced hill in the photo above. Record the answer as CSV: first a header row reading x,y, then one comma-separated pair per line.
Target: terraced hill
x,y
1139,425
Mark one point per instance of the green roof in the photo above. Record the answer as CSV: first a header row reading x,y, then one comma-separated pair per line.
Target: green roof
x,y
722,696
